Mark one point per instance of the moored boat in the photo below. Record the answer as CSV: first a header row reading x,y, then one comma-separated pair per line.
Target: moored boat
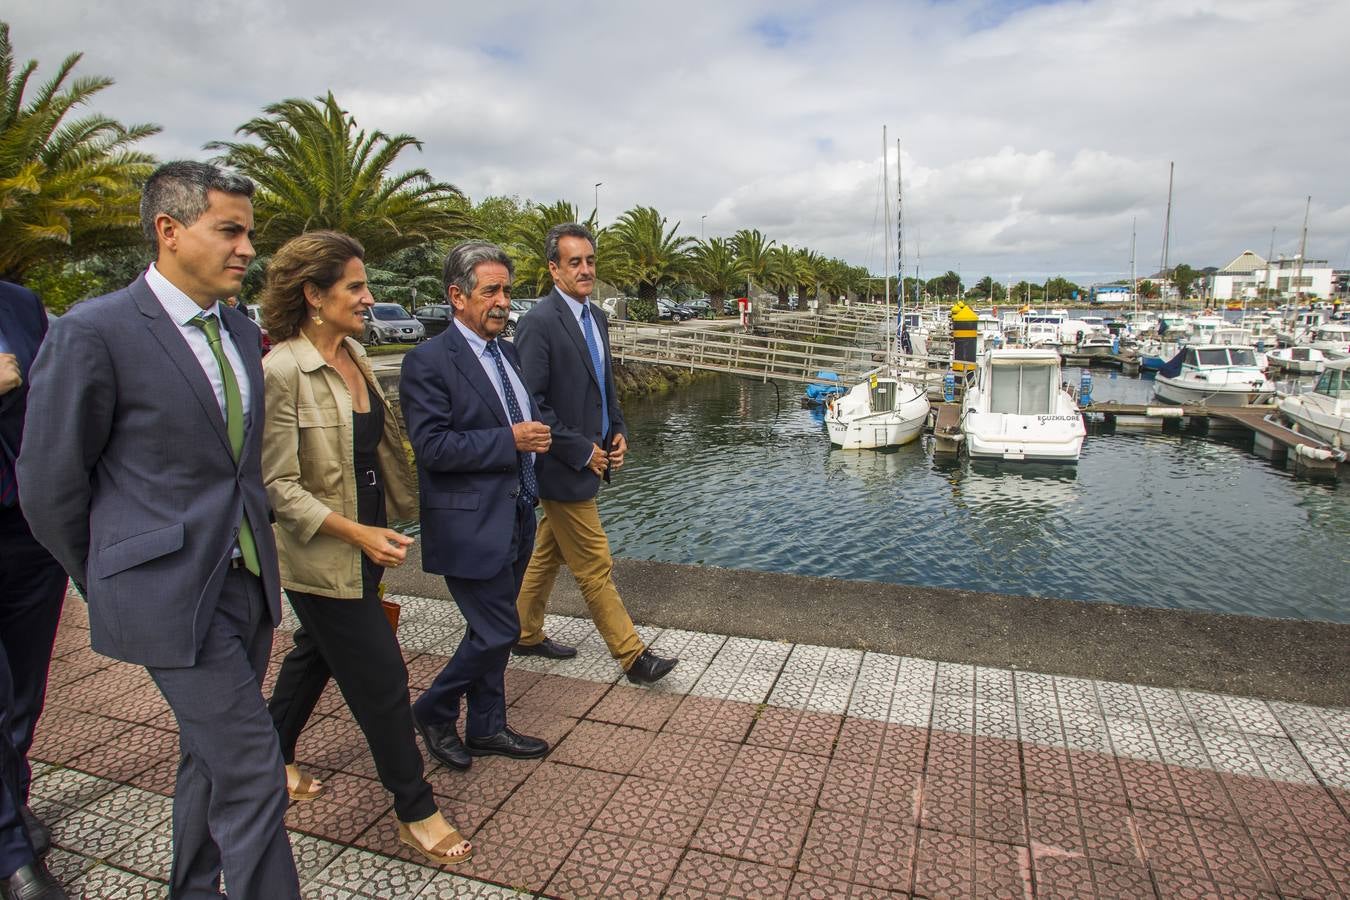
x,y
1213,375
1323,412
1017,409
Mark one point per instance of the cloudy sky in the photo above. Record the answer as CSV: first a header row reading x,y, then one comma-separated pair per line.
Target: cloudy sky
x,y
1034,133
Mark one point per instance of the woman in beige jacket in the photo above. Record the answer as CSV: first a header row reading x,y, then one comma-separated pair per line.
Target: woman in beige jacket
x,y
336,473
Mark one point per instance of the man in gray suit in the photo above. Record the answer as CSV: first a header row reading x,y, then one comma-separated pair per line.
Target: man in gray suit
x,y
140,472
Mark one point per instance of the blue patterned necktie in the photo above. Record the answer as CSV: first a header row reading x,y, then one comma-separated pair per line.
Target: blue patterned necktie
x,y
597,363
529,485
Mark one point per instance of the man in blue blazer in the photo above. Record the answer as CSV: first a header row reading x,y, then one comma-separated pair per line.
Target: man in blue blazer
x,y
564,350
141,473
32,586
476,438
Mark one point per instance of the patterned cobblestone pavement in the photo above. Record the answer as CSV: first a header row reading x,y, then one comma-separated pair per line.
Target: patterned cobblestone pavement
x,y
757,769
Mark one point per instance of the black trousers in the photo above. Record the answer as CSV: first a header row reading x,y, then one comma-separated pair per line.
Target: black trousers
x,y
32,588
351,641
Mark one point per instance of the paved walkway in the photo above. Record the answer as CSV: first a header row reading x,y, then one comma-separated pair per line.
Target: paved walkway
x,y
757,769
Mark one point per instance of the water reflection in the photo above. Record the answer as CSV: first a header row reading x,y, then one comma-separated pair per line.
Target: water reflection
x,y
728,472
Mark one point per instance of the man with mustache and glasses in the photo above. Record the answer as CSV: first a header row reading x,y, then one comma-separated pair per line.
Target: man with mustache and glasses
x,y
476,437
564,349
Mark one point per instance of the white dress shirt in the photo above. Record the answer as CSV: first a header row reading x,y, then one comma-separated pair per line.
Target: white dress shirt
x,y
181,309
480,351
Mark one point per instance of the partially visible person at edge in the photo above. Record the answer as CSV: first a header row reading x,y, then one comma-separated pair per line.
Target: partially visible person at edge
x,y
564,351
476,439
141,473
337,474
32,587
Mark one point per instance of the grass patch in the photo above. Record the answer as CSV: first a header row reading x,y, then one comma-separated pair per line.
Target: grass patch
x,y
384,349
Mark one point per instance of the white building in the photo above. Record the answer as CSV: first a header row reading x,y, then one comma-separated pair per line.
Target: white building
x,y
1290,277
1238,280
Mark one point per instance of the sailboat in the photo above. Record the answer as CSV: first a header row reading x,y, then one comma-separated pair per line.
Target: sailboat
x,y
884,409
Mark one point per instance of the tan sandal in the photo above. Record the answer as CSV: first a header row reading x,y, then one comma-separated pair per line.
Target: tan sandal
x,y
440,853
305,789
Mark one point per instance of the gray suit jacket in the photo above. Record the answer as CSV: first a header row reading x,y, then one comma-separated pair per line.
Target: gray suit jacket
x,y
126,474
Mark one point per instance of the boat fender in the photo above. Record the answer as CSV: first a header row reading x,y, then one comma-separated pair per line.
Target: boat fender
x,y
1322,454
1164,412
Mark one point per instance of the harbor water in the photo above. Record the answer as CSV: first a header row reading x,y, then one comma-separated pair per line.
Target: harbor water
x,y
731,472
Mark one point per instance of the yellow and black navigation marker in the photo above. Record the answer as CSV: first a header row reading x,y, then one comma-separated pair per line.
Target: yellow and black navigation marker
x,y
963,337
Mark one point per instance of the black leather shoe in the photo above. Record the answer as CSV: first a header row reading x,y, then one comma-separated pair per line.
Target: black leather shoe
x,y
443,743
549,649
33,882
38,833
649,668
507,743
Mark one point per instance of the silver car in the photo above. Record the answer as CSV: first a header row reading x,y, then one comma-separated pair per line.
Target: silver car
x,y
389,323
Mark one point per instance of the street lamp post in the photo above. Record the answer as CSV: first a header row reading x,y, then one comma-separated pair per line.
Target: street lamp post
x,y
701,220
598,185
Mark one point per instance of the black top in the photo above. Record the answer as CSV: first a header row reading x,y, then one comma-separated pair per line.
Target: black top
x,y
367,429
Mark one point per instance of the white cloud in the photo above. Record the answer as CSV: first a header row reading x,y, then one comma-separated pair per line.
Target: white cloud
x,y
1034,134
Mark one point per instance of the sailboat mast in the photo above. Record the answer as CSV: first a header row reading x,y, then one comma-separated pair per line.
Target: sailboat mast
x,y
899,243
1302,248
886,227
1167,228
1134,279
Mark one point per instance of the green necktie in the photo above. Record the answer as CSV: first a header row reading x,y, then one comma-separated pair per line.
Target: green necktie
x,y
234,425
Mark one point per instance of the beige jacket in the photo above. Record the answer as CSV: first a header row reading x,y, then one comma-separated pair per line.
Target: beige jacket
x,y
308,469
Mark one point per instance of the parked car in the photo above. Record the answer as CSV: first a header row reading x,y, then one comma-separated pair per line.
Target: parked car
x,y
434,317
519,307
675,312
391,323
702,307
254,312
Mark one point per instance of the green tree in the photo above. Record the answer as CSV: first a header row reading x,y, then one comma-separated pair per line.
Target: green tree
x,y
945,286
715,268
752,249
68,188
782,272
495,218
808,266
1147,289
316,169
643,253
1183,276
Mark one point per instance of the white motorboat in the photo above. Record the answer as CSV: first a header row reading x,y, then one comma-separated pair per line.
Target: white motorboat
x,y
880,411
1323,412
1017,409
1096,344
1333,339
1213,375
1297,360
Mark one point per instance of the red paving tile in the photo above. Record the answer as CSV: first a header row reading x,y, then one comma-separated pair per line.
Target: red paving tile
x,y
650,794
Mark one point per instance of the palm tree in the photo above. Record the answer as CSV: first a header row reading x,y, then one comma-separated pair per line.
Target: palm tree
x,y
527,237
68,189
752,249
716,269
641,251
809,267
315,169
782,272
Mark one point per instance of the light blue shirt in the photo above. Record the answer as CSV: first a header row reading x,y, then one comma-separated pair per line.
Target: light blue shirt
x,y
480,351
181,309
576,306
4,344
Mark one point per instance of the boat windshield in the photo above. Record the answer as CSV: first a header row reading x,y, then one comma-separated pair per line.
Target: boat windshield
x,y
1333,383
1241,356
1022,390
1212,357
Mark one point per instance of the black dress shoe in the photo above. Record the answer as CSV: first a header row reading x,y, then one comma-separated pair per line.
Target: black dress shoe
x,y
507,743
38,833
549,649
443,743
33,882
649,668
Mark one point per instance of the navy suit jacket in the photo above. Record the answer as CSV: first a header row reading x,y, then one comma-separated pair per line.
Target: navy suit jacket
x,y
468,470
559,374
23,322
128,478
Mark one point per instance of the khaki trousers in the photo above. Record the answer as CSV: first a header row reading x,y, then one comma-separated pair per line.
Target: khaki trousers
x,y
571,533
